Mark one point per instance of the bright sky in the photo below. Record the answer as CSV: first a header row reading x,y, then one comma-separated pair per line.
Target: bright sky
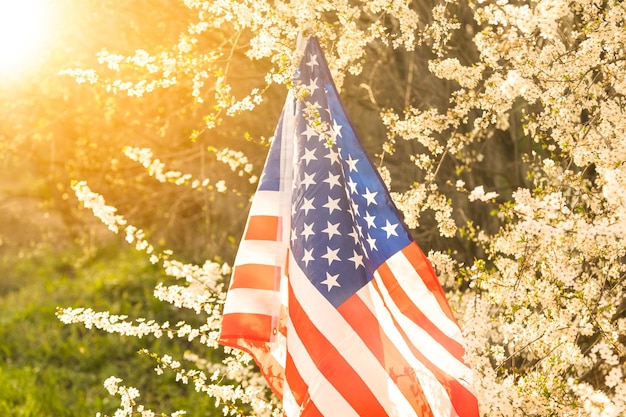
x,y
24,29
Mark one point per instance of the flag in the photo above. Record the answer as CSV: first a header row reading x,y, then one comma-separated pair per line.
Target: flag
x,y
330,294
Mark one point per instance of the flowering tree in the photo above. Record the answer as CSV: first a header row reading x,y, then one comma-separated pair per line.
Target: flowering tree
x,y
504,149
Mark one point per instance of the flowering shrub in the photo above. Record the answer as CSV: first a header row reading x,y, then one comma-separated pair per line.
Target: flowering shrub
x,y
517,159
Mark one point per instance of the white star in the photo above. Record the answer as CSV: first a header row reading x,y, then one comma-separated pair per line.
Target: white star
x,y
307,205
333,156
332,229
332,180
309,132
355,208
352,186
336,129
351,212
308,180
357,259
372,242
309,155
312,86
331,255
332,205
370,197
334,134
369,219
312,61
354,235
331,281
352,163
293,235
359,230
308,231
390,229
308,256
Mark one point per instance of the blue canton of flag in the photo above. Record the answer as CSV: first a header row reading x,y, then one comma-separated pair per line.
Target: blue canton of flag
x,y
344,225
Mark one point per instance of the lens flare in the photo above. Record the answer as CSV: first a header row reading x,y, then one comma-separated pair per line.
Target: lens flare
x,y
24,28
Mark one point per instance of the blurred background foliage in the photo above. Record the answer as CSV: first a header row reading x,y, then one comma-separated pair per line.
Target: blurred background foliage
x,y
53,131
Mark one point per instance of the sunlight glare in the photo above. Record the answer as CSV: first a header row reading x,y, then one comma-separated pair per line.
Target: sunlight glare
x,y
23,31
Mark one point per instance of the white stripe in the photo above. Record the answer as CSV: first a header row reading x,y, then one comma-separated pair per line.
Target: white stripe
x,y
290,406
267,203
356,353
434,392
423,341
322,393
251,301
413,285
259,252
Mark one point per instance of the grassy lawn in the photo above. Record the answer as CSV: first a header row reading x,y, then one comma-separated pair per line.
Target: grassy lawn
x,y
51,369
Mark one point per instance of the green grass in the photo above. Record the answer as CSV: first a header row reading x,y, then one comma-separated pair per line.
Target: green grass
x,y
51,369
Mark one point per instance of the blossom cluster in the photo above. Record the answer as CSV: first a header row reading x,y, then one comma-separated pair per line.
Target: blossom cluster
x,y
548,296
210,378
128,405
157,169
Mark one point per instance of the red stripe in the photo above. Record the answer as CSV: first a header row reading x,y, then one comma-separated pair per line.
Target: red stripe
x,y
263,228
463,400
311,411
424,268
247,326
409,309
299,388
261,277
332,364
367,326
296,384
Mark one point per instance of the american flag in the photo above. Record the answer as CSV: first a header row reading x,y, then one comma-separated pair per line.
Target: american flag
x,y
330,294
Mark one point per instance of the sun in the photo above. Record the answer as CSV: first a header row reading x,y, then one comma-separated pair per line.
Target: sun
x,y
24,28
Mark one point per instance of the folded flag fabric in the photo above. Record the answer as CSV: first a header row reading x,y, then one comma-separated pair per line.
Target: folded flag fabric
x,y
330,294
